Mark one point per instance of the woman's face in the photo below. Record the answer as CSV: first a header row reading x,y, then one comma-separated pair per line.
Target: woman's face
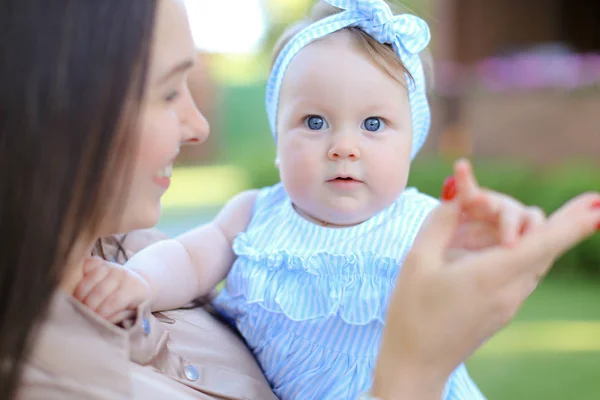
x,y
168,119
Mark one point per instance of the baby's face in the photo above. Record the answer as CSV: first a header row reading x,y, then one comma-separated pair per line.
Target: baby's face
x,y
344,133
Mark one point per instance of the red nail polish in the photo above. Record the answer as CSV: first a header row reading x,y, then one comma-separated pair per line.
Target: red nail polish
x,y
449,189
596,204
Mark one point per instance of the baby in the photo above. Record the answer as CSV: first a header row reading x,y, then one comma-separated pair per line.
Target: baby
x,y
311,262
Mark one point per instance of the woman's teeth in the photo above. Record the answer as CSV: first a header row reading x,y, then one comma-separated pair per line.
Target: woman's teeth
x,y
166,172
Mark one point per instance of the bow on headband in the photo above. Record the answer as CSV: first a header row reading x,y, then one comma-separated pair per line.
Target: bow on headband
x,y
385,27
408,35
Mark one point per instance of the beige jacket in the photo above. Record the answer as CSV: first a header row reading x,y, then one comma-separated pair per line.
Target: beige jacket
x,y
183,354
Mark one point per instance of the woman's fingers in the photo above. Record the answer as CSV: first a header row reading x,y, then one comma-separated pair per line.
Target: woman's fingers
x,y
515,219
510,220
534,218
466,184
579,218
483,204
531,258
511,217
508,275
478,203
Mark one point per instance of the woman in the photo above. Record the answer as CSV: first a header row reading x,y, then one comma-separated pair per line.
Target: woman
x,y
93,110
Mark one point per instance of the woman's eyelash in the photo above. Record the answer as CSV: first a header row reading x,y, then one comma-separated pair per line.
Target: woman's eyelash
x,y
171,96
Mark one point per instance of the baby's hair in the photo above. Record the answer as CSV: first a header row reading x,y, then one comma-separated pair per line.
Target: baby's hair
x,y
383,54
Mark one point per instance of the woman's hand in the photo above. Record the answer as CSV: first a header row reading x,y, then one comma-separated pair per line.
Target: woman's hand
x,y
111,290
488,218
446,305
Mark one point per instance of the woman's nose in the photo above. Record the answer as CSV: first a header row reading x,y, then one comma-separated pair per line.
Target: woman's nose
x,y
195,126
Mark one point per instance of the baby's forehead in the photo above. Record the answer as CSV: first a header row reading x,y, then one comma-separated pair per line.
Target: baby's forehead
x,y
340,37
346,82
346,48
337,58
342,40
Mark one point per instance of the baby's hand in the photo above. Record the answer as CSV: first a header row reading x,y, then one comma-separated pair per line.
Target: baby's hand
x,y
489,218
111,290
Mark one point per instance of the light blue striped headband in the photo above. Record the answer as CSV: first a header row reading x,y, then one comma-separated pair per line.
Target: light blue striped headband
x,y
408,35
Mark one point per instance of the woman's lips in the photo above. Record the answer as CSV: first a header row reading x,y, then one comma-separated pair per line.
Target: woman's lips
x,y
164,182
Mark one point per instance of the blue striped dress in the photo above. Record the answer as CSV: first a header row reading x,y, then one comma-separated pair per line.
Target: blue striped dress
x,y
311,301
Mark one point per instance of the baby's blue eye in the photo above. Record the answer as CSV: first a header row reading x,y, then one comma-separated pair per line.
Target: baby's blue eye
x,y
316,123
373,124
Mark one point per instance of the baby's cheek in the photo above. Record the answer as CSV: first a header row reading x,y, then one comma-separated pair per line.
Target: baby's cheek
x,y
299,173
300,154
299,169
390,175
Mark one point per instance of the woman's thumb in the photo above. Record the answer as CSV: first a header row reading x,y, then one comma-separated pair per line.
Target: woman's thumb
x,y
436,234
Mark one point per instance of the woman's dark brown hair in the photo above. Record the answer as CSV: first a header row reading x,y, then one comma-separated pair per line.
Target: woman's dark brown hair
x,y
72,76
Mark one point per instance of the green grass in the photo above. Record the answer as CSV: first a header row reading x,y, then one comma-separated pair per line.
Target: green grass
x,y
545,376
551,351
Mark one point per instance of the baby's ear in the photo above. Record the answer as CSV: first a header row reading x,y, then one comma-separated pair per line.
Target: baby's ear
x,y
277,162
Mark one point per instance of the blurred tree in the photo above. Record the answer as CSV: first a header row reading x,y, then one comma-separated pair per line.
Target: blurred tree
x,y
280,14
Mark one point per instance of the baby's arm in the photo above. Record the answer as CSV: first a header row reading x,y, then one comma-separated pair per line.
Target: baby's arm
x,y
171,272
191,265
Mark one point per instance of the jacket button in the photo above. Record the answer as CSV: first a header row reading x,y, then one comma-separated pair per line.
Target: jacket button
x,y
146,326
191,373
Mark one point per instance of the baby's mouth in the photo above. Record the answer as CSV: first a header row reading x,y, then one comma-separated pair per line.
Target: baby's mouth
x,y
344,182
